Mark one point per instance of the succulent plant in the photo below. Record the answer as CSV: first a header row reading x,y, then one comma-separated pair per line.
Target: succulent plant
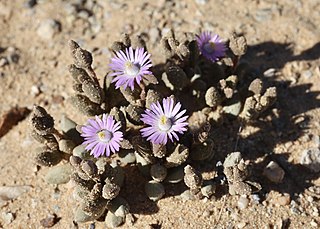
x,y
162,121
236,173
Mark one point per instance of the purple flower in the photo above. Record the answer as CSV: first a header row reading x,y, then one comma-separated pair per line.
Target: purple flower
x,y
130,67
164,121
211,46
102,135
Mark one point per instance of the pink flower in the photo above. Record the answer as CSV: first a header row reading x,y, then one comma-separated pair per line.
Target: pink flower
x,y
130,66
102,136
211,46
164,121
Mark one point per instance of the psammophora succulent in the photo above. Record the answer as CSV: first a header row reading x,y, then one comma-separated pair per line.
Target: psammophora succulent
x,y
161,121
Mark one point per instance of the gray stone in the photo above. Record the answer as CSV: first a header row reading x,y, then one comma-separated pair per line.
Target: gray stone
x,y
35,90
243,202
310,158
8,193
81,152
81,217
187,195
201,2
119,206
66,145
48,29
154,190
7,217
307,74
208,188
233,108
271,72
3,61
274,172
113,221
67,124
232,159
126,156
59,174
68,127
158,172
175,175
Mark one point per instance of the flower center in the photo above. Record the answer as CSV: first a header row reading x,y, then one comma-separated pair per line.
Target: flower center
x,y
209,47
104,135
132,69
164,123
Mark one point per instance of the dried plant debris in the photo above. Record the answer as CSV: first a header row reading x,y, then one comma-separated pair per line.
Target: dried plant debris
x,y
161,121
11,118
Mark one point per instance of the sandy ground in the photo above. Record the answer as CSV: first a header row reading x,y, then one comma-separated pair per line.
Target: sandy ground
x,y
282,36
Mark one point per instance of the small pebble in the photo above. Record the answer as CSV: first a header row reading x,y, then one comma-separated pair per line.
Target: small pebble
x,y
201,2
234,108
310,158
13,55
316,140
154,190
295,210
255,198
270,72
206,213
80,151
274,172
243,202
81,217
310,199
283,200
35,90
315,214
307,74
59,174
235,216
130,220
49,221
315,209
113,221
186,195
3,61
8,193
48,29
241,225
7,217
313,223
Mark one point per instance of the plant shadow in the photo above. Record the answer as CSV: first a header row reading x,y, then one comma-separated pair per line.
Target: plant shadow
x,y
286,121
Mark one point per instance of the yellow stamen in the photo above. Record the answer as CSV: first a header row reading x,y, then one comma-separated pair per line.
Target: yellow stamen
x,y
129,65
101,135
163,120
131,69
164,123
104,135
